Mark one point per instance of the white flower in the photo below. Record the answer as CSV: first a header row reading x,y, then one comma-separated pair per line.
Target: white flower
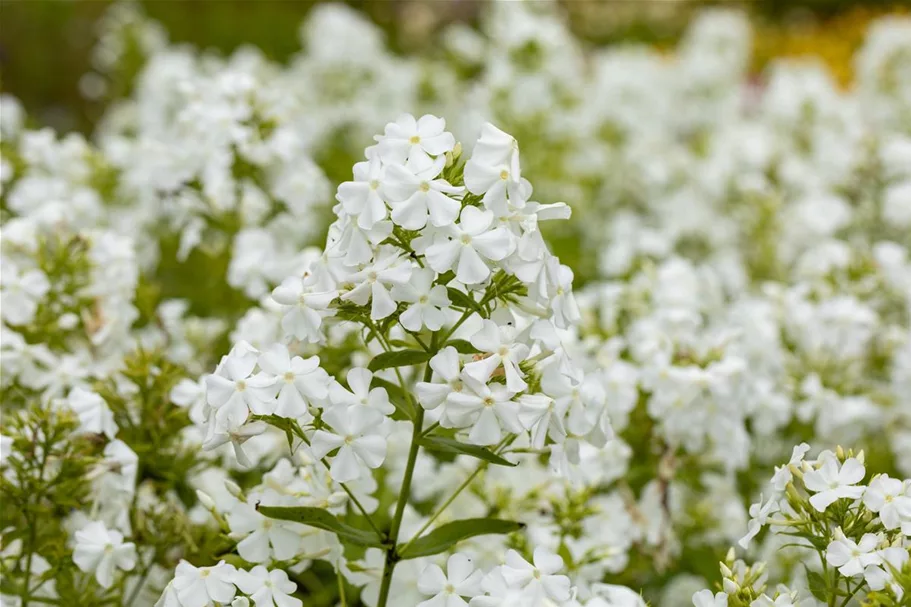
x,y
358,438
890,498
446,367
94,415
306,308
268,588
850,557
426,299
759,516
233,393
302,382
448,589
783,474
20,293
413,141
487,409
363,198
465,246
237,436
830,482
879,576
705,598
361,395
539,580
101,551
389,269
503,349
416,195
200,586
263,538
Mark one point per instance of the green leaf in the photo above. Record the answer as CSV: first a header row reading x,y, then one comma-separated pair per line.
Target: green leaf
x,y
404,410
817,585
445,536
462,300
463,346
322,519
399,358
449,445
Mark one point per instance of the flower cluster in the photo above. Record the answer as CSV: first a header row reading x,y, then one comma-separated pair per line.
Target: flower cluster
x,y
859,530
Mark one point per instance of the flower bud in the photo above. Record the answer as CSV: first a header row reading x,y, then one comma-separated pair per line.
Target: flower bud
x,y
234,489
205,499
726,571
730,586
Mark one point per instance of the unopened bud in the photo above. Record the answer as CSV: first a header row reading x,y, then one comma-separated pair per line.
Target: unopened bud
x,y
205,499
240,601
449,160
233,488
457,150
726,571
840,453
730,586
731,555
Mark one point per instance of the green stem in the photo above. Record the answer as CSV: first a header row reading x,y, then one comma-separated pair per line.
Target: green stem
x,y
391,552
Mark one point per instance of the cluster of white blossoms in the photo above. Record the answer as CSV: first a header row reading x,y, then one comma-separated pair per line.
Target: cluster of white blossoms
x,y
438,265
859,530
421,412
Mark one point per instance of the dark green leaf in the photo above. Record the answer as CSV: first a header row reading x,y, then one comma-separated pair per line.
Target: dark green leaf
x,y
400,358
449,445
444,537
322,519
404,410
462,346
462,300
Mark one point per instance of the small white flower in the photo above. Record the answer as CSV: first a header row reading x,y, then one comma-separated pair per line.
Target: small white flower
x,y
361,394
95,416
415,196
469,245
263,538
302,382
831,482
852,557
200,586
414,141
890,498
364,197
488,409
372,283
427,301
539,580
306,308
268,588
358,438
448,589
102,551
705,598
20,293
503,349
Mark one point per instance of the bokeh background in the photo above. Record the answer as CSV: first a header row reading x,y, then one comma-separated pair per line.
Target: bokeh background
x,y
45,45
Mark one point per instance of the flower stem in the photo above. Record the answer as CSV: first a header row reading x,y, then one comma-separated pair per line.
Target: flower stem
x,y
391,552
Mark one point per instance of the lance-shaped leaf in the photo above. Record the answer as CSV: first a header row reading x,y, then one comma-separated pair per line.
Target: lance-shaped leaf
x,y
462,300
322,519
399,358
449,445
462,346
445,536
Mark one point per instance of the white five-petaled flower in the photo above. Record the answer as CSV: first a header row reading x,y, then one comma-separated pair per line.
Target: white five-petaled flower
x,y
301,381
413,142
363,198
358,438
486,408
759,516
263,538
831,482
233,392
446,367
705,598
493,170
306,308
416,195
101,551
20,293
852,557
426,299
460,580
361,394
502,348
94,415
539,580
890,498
237,436
469,245
389,268
199,586
268,588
